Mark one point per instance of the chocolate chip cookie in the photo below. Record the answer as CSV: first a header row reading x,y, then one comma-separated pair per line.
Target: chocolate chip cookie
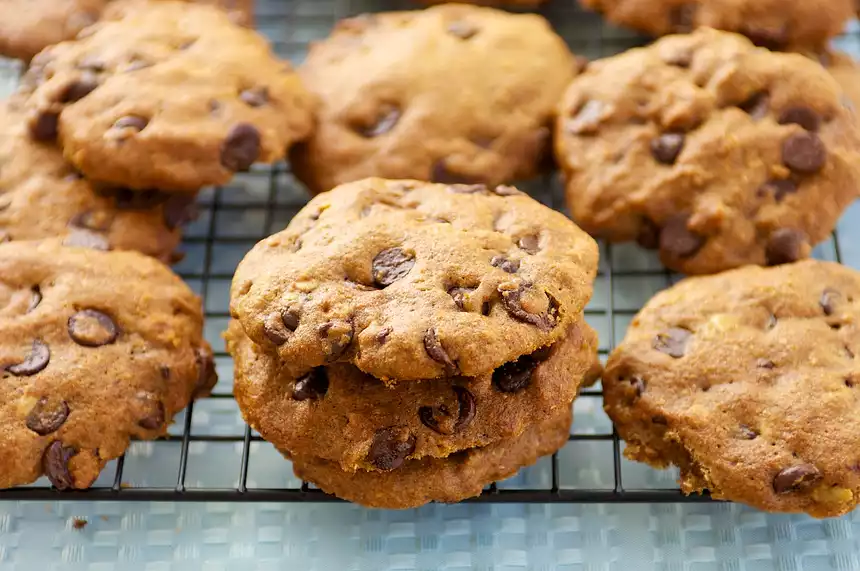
x,y
457,477
41,196
715,152
95,348
29,26
340,414
774,24
748,382
410,280
451,94
171,96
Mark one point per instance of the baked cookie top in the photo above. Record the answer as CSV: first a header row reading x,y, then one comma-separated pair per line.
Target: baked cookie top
x,y
171,96
846,72
453,94
29,26
718,153
410,280
41,196
749,381
95,348
774,24
340,414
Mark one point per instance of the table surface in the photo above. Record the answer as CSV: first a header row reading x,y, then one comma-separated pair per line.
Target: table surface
x,y
96,536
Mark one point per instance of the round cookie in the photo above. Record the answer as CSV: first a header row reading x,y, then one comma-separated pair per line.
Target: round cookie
x,y
452,479
41,196
748,382
453,93
410,280
715,152
29,26
173,96
95,348
340,414
774,24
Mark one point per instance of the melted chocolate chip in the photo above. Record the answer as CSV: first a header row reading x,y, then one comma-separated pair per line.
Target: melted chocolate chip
x,y
785,246
47,417
512,302
804,153
677,240
131,123
241,148
179,210
772,39
779,188
155,419
77,90
800,115
830,298
638,385
311,386
127,199
385,122
390,447
434,417
339,335
504,264
437,352
460,295
673,342
45,126
516,375
279,327
55,464
795,478
36,361
206,374
391,265
255,97
530,244
91,328
587,119
757,106
35,298
667,147
382,336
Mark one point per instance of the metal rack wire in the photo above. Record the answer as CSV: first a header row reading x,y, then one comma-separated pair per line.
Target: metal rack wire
x,y
264,200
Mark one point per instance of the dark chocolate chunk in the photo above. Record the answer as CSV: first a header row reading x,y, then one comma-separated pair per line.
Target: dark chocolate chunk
x,y
796,478
390,447
800,115
504,264
155,419
804,153
677,240
92,328
55,464
312,385
36,361
434,417
47,416
673,342
667,147
785,246
241,148
437,352
512,302
391,265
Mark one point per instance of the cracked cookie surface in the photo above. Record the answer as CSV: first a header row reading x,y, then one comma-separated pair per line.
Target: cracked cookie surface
x,y
339,414
42,196
172,96
95,348
420,95
410,280
748,381
717,153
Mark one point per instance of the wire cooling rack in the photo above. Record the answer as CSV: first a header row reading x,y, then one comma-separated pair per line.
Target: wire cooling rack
x,y
211,455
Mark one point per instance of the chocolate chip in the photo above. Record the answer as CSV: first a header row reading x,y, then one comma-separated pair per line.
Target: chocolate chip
x,y
77,90
279,327
682,18
757,106
677,240
255,97
155,419
291,318
36,361
649,235
45,126
55,464
784,246
463,30
667,147
180,209
81,238
771,322
206,374
391,265
241,148
165,372
437,352
774,40
339,335
441,174
131,123
390,447
433,417
460,295
673,342
516,375
530,244
35,298
800,115
829,299
385,122
779,188
587,119
660,419
765,364
804,153
638,385
47,417
382,335
127,199
504,264
795,478
512,302
91,328
747,433
311,386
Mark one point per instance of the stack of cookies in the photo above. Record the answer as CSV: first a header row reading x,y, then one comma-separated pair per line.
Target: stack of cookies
x,y
404,342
